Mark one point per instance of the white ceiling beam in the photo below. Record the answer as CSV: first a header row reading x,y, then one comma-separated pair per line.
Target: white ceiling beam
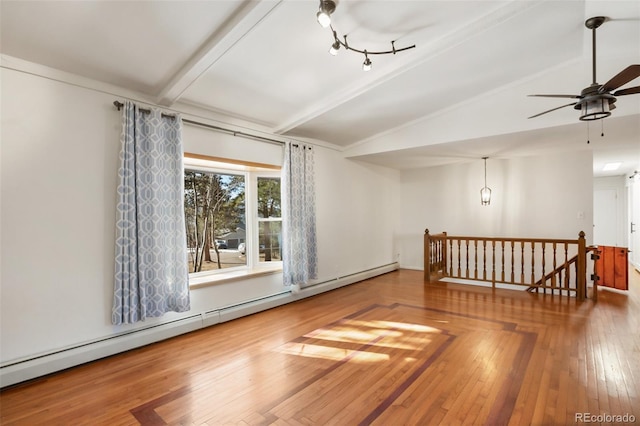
x,y
247,17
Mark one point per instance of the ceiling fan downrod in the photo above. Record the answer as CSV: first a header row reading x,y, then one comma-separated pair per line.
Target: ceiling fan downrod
x,y
593,24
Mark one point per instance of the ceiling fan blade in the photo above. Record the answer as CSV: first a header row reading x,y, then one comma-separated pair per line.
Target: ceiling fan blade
x,y
623,77
558,96
629,91
563,106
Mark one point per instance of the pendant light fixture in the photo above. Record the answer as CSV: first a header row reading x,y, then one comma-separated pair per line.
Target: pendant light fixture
x,y
485,193
327,7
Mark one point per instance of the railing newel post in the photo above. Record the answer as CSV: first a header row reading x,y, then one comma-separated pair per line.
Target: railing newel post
x,y
427,256
581,279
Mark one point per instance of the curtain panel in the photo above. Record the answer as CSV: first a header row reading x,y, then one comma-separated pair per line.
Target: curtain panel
x,y
300,253
151,275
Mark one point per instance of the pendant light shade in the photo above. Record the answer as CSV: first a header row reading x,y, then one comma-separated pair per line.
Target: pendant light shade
x,y
485,193
485,196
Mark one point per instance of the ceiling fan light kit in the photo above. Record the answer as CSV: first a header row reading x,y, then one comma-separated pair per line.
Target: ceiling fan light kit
x,y
596,101
327,7
596,108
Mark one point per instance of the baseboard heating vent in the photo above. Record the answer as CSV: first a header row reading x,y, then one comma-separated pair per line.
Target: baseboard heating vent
x,y
211,318
345,280
60,360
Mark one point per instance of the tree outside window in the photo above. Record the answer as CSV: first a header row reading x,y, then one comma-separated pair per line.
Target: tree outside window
x,y
214,206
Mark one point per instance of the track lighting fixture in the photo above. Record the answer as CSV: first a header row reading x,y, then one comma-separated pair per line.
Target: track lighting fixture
x,y
324,13
327,7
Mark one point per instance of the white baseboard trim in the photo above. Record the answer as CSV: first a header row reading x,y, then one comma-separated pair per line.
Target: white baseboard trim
x,y
37,366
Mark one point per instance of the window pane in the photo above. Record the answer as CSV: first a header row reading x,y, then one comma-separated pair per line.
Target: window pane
x,y
269,239
269,197
214,205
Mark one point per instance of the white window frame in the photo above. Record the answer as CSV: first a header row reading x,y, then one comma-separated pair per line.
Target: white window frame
x,y
253,265
257,220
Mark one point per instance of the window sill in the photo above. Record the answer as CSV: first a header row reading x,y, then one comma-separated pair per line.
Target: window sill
x,y
221,278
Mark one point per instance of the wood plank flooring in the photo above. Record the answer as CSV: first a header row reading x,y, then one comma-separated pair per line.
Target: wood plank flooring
x,y
386,351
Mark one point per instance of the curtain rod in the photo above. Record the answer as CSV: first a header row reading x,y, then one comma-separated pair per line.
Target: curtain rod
x,y
119,105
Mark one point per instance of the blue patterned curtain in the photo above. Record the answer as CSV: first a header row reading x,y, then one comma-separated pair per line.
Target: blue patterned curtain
x,y
300,253
151,276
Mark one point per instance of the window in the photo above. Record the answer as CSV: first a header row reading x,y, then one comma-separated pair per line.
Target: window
x,y
269,219
232,217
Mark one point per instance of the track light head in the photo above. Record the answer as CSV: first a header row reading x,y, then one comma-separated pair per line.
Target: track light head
x,y
327,7
334,48
366,65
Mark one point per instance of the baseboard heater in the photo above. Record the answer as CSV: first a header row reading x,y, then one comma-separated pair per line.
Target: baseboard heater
x,y
36,366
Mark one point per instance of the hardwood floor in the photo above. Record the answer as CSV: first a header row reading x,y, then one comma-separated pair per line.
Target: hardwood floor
x,y
386,351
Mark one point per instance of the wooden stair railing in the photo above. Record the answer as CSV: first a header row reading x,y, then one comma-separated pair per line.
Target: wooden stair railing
x,y
556,275
515,261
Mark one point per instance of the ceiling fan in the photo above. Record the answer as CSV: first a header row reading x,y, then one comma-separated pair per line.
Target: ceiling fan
x,y
596,101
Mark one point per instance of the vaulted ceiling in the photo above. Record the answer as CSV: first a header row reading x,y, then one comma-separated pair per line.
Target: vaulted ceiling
x,y
460,94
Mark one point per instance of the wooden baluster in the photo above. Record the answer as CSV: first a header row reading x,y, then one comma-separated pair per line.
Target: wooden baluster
x,y
521,262
450,258
553,277
566,266
513,266
475,259
467,258
544,278
533,262
502,275
444,253
484,260
568,272
459,259
493,263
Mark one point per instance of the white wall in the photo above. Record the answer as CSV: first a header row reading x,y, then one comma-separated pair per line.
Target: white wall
x,y
357,214
543,197
60,145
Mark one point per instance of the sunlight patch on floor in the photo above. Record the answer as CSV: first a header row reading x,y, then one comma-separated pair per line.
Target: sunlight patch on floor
x,y
394,325
331,353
